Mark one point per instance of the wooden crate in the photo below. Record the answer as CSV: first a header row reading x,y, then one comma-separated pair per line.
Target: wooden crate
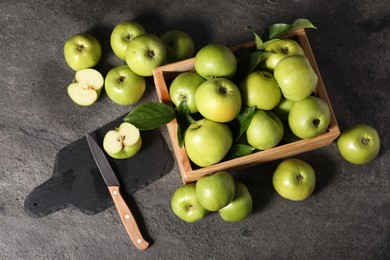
x,y
163,76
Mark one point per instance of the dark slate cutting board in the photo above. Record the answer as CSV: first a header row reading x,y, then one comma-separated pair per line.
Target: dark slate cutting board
x,y
76,181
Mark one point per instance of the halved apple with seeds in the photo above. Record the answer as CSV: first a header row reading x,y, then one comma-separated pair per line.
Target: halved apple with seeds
x,y
86,87
123,142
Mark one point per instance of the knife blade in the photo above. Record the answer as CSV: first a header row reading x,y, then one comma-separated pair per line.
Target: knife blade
x,y
113,185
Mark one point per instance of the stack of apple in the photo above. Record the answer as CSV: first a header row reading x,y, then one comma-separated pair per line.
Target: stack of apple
x,y
218,192
125,83
279,91
141,52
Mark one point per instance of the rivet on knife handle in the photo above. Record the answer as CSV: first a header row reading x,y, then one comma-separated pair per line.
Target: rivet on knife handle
x,y
128,219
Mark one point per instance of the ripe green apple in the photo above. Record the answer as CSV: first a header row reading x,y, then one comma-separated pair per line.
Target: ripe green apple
x,y
260,89
82,51
296,77
215,191
218,100
215,61
294,179
186,205
123,142
283,108
265,130
184,87
123,86
207,142
122,34
86,87
179,45
280,49
309,117
359,144
145,53
241,205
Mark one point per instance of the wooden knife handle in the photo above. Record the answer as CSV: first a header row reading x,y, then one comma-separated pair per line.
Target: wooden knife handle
x,y
128,219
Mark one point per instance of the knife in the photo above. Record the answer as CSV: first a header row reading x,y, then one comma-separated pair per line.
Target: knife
x,y
113,186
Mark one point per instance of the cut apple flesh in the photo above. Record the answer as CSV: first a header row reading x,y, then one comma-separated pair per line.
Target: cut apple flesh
x,y
129,134
90,78
112,142
85,90
82,95
124,136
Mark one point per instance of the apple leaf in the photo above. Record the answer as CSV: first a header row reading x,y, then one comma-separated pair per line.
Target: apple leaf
x,y
242,121
239,150
184,120
150,115
258,41
278,29
303,23
249,62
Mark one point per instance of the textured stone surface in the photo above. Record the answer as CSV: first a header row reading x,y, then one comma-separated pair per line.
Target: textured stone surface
x,y
346,218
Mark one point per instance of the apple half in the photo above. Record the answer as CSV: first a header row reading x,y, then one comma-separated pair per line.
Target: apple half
x,y
123,142
86,87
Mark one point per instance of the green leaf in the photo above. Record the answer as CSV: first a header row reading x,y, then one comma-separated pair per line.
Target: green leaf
x,y
242,121
275,30
258,41
239,150
248,63
184,120
150,115
278,29
303,23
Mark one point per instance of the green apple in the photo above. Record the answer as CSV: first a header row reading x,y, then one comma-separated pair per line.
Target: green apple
x,y
240,207
82,51
215,191
184,87
261,90
280,49
309,117
296,77
86,87
123,86
123,142
359,144
283,108
207,142
185,204
218,100
179,45
265,130
122,34
145,53
215,61
294,179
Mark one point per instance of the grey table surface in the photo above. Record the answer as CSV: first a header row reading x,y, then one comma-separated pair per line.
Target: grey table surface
x,y
348,216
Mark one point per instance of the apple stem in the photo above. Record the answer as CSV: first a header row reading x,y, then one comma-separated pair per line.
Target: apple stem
x,y
316,122
299,177
222,90
128,37
365,140
80,47
151,53
121,78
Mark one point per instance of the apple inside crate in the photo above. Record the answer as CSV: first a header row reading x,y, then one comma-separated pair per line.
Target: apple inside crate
x,y
164,75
